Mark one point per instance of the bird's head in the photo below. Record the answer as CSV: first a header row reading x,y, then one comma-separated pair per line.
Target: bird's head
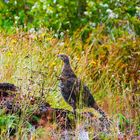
x,y
64,58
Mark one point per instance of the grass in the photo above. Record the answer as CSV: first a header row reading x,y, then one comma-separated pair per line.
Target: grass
x,y
110,67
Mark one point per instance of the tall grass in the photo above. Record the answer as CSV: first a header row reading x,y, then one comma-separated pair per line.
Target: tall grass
x,y
109,66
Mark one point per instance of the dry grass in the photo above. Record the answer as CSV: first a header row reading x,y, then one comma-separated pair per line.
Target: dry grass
x,y
111,68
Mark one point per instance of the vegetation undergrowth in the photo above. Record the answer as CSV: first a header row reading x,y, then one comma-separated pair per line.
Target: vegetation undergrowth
x,y
108,63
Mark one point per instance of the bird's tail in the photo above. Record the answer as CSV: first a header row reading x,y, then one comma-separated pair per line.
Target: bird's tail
x,y
105,121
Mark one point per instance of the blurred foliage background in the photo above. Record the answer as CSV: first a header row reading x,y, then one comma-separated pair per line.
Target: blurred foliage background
x,y
64,16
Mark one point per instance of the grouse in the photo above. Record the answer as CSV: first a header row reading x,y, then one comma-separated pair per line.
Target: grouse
x,y
74,92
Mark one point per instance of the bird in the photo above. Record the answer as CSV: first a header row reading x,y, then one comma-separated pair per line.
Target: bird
x,y
74,91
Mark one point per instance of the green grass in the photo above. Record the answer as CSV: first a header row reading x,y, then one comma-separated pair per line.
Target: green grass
x,y
109,67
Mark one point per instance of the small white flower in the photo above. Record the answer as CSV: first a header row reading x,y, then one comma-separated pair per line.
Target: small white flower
x,y
62,33
32,30
104,5
44,7
35,6
111,14
109,11
56,35
15,2
16,18
61,44
85,13
92,24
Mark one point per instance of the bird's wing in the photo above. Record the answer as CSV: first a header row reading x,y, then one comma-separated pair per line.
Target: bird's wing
x,y
86,89
75,83
88,98
78,86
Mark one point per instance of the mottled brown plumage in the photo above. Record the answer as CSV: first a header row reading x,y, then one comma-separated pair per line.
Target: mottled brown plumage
x,y
72,88
74,91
